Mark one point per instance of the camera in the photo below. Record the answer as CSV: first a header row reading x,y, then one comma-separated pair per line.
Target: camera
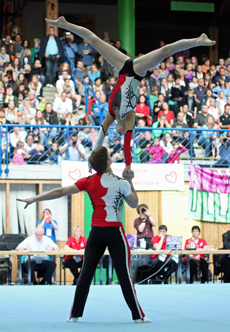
x,y
143,210
66,38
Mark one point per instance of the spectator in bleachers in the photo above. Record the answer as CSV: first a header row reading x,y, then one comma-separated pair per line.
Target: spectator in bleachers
x,y
161,123
38,70
105,68
220,64
176,71
142,91
19,154
18,134
109,87
184,82
33,99
213,110
163,70
73,244
189,99
194,83
7,43
208,81
145,139
164,89
221,87
178,149
2,90
221,102
62,105
156,151
201,117
28,109
197,260
227,72
42,132
199,73
34,151
153,97
52,50
189,73
81,69
188,119
118,46
94,116
17,44
155,78
170,63
93,73
35,85
76,150
199,93
207,98
4,57
9,97
3,119
54,153
27,72
35,50
51,118
159,243
224,119
213,72
215,145
169,114
177,91
20,80
170,81
61,81
17,66
206,65
39,242
26,58
222,75
205,137
86,52
10,111
194,62
166,144
70,47
157,107
143,110
98,85
21,117
65,84
84,134
179,124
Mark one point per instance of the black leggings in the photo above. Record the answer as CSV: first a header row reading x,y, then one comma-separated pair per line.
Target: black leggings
x,y
99,238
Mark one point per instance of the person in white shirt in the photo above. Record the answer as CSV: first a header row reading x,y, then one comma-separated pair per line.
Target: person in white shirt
x,y
76,151
62,105
39,242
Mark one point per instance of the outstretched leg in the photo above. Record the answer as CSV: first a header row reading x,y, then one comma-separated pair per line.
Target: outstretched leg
x,y
110,53
150,60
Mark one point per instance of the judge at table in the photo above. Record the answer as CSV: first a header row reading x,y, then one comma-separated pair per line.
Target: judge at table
x,y
39,242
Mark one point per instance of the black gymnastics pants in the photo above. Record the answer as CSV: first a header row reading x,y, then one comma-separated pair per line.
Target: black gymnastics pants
x,y
99,238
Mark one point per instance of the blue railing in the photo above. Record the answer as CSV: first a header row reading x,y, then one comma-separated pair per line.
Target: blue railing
x,y
203,146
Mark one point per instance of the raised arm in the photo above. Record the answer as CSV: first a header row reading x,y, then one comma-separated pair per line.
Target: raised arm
x,y
131,199
52,194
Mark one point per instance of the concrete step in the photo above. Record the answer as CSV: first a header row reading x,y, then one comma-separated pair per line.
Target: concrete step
x,y
49,94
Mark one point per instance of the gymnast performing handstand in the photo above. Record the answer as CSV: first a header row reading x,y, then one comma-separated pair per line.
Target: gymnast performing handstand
x,y
122,102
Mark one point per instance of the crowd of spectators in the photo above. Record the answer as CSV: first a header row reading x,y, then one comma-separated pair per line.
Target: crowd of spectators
x,y
179,93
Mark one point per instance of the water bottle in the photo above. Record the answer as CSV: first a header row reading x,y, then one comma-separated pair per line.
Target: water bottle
x,y
59,160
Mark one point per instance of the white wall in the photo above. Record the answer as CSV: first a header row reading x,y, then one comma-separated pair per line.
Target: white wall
x,y
106,18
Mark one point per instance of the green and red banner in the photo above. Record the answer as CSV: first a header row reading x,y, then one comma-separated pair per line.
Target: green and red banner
x,y
209,195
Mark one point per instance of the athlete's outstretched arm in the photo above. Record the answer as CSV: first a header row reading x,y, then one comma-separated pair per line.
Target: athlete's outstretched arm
x,y
142,64
109,52
52,194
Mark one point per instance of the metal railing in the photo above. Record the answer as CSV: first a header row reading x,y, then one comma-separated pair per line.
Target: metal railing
x,y
201,146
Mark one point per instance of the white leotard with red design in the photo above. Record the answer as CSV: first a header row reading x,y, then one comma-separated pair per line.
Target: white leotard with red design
x,y
107,192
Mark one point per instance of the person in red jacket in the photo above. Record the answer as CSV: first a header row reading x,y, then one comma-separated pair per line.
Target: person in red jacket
x,y
197,260
73,261
174,157
143,110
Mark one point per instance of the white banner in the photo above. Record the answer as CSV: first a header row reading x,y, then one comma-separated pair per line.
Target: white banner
x,y
147,177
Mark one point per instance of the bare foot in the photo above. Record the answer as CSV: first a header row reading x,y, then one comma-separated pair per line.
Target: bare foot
x,y
205,41
60,22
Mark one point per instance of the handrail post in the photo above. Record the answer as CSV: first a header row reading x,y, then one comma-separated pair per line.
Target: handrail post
x,y
191,145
